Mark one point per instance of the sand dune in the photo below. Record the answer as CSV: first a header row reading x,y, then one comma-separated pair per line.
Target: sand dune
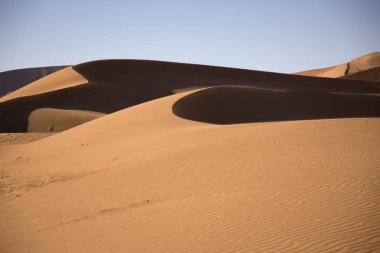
x,y
15,113
110,85
239,104
250,161
145,180
58,120
15,79
62,79
372,75
334,72
356,65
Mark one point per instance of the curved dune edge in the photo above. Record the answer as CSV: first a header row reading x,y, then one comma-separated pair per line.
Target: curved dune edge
x,y
16,112
15,79
240,104
331,72
110,85
57,120
145,180
356,65
61,79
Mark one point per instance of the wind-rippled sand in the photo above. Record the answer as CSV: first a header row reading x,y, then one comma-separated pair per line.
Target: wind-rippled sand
x,y
231,168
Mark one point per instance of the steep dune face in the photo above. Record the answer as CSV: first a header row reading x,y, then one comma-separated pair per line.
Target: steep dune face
x,y
356,65
144,180
15,79
111,85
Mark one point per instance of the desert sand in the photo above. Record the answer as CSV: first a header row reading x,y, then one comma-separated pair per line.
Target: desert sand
x,y
15,79
21,138
107,86
372,74
354,66
250,162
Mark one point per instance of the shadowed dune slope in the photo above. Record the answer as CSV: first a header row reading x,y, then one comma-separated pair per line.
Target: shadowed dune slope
x,y
110,85
15,79
15,114
238,104
356,65
144,180
372,75
58,120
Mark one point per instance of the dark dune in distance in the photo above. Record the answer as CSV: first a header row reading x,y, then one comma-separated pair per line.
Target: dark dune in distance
x,y
15,79
111,85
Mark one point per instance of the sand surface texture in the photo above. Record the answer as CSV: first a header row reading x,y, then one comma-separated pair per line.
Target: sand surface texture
x,y
280,163
21,138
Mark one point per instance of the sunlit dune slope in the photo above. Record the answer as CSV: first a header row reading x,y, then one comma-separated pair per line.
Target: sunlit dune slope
x,y
145,180
107,86
356,65
61,79
15,79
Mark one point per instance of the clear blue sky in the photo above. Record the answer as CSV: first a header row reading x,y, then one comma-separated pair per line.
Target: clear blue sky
x,y
280,36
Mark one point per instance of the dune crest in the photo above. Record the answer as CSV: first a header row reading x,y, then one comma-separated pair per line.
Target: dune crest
x,y
356,65
61,79
107,86
144,180
15,79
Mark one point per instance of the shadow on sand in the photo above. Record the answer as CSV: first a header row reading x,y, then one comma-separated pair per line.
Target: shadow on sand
x,y
237,104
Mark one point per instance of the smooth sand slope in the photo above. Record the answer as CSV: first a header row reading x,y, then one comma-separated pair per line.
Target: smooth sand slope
x,y
356,65
15,79
153,178
62,79
103,87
